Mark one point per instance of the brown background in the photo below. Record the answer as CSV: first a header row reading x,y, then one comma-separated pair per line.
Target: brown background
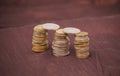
x,y
100,18
48,2
17,58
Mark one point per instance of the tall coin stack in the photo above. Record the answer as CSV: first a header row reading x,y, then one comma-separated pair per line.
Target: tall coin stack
x,y
60,43
39,41
81,44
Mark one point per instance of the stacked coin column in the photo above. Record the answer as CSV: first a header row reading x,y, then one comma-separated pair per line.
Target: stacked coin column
x,y
81,44
39,40
60,43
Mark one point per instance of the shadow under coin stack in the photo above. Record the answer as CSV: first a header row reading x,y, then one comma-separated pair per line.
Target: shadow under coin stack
x,y
81,44
60,43
39,42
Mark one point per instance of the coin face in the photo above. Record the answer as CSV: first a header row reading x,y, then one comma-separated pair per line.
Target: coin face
x,y
60,31
82,34
50,26
71,30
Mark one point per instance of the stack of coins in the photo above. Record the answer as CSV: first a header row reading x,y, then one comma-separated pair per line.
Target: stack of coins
x,y
60,43
39,41
81,44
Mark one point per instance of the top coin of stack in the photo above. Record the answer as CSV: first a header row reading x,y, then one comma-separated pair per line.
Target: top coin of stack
x,y
60,43
82,45
50,26
71,30
39,41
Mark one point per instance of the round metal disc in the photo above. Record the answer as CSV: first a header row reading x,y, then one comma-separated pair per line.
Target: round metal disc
x,y
50,26
71,30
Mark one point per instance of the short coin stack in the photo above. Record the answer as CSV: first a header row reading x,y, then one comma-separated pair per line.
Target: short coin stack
x,y
81,44
60,43
39,41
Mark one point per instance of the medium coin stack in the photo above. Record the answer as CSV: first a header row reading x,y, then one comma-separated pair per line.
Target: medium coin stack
x,y
39,41
60,43
81,44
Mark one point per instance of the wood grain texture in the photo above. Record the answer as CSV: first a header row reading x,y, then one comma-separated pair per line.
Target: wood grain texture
x,y
17,58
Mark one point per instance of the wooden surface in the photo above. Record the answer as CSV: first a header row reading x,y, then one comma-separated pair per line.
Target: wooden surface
x,y
50,2
17,58
21,16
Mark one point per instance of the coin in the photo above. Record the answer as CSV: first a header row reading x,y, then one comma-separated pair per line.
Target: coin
x,y
81,34
71,30
50,26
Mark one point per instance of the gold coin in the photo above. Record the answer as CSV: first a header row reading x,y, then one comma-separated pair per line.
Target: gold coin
x,y
83,48
58,34
60,45
61,54
39,29
60,42
82,34
59,51
60,31
82,39
81,51
39,42
82,56
38,50
40,45
39,38
81,43
60,37
59,48
40,33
